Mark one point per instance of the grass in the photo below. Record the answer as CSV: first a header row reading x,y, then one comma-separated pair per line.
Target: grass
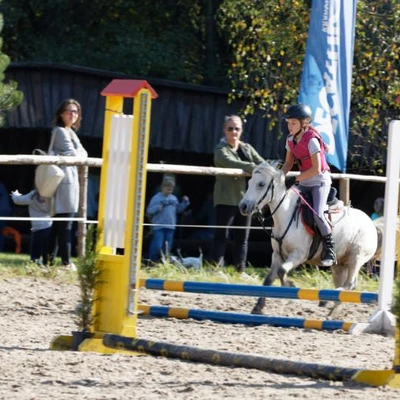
x,y
305,277
20,265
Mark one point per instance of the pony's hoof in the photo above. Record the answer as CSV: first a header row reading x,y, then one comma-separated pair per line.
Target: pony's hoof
x,y
290,283
256,311
322,303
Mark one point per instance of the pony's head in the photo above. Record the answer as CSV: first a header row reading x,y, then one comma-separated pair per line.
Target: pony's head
x,y
264,183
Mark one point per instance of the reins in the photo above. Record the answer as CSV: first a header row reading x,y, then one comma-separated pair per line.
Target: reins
x,y
304,200
260,216
262,220
307,204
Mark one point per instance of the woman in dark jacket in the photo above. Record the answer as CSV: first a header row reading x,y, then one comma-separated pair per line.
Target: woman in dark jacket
x,y
231,152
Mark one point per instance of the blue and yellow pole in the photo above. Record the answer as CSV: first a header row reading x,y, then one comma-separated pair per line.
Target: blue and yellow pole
x,y
245,319
280,292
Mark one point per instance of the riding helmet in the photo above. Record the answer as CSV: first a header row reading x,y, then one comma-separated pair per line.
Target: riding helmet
x,y
299,111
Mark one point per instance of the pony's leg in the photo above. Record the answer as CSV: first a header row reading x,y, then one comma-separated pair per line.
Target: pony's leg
x,y
277,269
347,274
268,281
339,275
345,278
291,263
282,274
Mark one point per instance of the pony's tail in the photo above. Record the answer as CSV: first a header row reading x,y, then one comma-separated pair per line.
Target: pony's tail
x,y
379,225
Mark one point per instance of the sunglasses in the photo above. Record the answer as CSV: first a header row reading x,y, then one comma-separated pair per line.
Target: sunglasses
x,y
72,111
231,129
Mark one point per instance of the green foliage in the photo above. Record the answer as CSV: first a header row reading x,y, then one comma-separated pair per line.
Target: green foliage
x,y
209,273
20,265
157,38
255,47
376,81
10,97
268,40
88,278
306,277
396,303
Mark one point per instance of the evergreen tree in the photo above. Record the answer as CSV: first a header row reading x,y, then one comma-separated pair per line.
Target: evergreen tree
x,y
10,97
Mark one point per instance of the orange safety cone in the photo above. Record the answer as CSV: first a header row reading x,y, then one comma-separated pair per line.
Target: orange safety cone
x,y
9,231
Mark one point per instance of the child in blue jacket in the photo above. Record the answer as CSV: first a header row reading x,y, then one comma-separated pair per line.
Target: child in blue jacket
x,y
162,211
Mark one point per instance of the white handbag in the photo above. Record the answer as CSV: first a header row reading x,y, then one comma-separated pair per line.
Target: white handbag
x,y
48,176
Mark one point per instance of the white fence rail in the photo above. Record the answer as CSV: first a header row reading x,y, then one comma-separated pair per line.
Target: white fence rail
x,y
23,159
89,162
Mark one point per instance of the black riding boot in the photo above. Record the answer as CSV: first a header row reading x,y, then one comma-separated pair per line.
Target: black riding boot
x,y
328,256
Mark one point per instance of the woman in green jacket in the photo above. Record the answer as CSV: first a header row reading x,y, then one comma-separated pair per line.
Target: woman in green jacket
x,y
231,152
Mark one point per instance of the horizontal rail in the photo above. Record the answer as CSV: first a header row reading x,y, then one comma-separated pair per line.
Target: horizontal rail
x,y
282,292
28,159
245,319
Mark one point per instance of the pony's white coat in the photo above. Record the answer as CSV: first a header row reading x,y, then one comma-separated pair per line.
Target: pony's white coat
x,y
354,233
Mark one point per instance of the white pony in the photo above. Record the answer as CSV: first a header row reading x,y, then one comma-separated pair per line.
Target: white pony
x,y
354,233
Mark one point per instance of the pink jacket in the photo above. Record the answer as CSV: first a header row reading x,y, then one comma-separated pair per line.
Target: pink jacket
x,y
301,153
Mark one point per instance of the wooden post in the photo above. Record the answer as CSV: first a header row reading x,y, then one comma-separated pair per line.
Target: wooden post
x,y
82,211
344,190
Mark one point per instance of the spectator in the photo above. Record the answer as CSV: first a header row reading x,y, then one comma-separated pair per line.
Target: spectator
x,y
66,199
167,176
5,211
38,207
378,208
231,152
162,211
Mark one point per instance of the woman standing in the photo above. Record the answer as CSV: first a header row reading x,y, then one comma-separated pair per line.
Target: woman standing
x,y
66,199
231,152
305,146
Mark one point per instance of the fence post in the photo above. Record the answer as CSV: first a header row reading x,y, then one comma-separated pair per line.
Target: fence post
x,y
344,190
83,171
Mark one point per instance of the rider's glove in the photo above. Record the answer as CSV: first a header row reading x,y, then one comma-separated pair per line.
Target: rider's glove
x,y
290,181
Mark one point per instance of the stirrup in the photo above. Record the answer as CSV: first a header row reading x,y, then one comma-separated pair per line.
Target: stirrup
x,y
329,260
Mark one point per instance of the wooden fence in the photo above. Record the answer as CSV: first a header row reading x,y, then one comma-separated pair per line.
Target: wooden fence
x,y
85,163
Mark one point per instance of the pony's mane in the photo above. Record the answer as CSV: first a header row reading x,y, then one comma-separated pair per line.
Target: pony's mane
x,y
267,169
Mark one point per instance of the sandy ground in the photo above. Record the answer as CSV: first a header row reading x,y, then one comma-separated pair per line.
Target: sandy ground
x,y
34,311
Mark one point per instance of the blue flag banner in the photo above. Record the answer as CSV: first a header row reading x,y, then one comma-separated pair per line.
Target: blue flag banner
x,y
326,77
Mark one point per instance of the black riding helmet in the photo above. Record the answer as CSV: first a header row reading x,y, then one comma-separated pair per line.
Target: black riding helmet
x,y
299,111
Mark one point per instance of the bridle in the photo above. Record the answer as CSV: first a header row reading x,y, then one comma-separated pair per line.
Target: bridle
x,y
262,220
272,187
260,215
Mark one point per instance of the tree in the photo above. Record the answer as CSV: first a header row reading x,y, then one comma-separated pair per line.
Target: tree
x,y
254,47
153,38
10,97
268,40
376,82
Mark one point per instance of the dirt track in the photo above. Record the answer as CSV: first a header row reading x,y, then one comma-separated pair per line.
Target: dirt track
x,y
34,311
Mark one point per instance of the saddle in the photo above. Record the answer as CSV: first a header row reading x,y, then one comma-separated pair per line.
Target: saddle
x,y
307,216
